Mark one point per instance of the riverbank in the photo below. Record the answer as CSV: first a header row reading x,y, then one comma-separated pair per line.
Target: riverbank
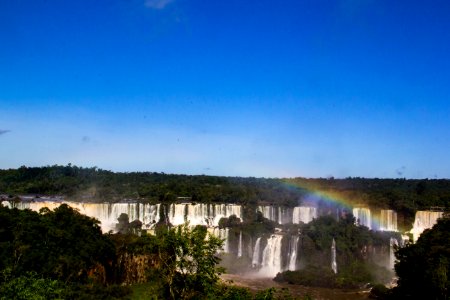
x,y
298,291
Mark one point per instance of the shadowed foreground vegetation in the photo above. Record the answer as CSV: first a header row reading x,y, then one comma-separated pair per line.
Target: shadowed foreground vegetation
x,y
62,254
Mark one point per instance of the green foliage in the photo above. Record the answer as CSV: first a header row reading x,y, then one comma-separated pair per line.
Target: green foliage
x,y
310,276
188,262
95,184
53,254
60,244
124,225
29,287
379,291
356,266
423,268
230,292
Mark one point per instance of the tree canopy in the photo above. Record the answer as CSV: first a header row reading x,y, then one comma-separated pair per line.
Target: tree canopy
x,y
423,268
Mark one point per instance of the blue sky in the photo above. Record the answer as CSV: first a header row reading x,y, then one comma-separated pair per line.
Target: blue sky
x,y
247,88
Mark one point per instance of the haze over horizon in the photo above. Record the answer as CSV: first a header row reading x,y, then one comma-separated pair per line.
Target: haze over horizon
x,y
339,88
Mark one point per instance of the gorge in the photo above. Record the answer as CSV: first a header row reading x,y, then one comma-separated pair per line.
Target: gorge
x,y
262,253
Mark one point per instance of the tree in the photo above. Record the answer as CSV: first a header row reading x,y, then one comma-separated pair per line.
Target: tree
x,y
61,244
188,261
423,268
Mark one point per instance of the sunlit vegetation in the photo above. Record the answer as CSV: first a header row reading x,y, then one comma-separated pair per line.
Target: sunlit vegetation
x,y
62,254
93,184
357,262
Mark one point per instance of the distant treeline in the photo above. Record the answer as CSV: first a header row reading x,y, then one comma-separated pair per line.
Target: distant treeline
x,y
94,184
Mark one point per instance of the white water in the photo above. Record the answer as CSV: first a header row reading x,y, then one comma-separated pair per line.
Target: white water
x,y
388,220
363,217
256,253
293,248
281,215
271,258
333,256
392,242
106,213
222,233
285,215
424,220
148,214
226,247
240,245
304,214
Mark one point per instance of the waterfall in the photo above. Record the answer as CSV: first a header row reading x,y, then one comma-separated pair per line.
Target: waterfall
x,y
198,214
6,204
177,214
281,215
363,217
225,211
256,254
240,245
388,220
392,242
424,220
226,247
284,215
293,248
202,214
150,214
106,213
269,212
222,233
271,258
304,214
333,256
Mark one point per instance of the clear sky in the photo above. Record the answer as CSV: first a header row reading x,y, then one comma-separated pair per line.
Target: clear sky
x,y
248,88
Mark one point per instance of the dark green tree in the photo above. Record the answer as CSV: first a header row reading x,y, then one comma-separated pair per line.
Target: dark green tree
x,y
423,268
188,258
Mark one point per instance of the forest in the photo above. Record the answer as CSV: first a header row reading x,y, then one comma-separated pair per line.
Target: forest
x,y
94,184
63,254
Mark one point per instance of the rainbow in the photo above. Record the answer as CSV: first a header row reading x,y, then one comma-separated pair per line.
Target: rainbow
x,y
346,200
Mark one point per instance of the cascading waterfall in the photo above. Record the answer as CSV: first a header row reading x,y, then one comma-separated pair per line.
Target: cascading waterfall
x,y
388,220
304,214
271,258
148,214
106,213
333,256
392,244
424,219
240,245
279,214
293,248
269,212
256,253
177,214
286,215
363,217
222,233
220,211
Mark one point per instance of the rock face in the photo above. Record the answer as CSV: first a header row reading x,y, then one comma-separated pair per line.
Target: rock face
x,y
134,268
